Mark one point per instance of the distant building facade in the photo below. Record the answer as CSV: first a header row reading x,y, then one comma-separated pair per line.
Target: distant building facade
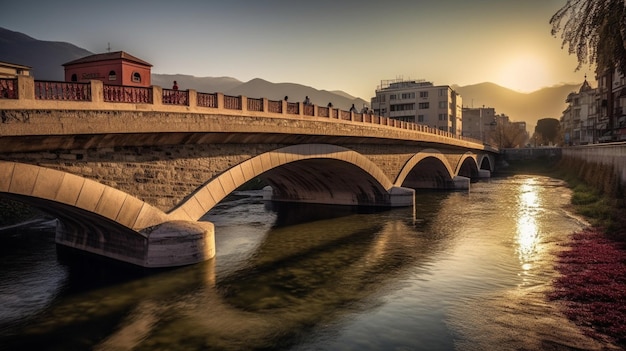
x,y
420,102
112,68
478,122
580,121
11,70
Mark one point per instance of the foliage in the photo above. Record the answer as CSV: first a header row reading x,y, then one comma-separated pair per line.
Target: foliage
x,y
508,135
547,131
593,30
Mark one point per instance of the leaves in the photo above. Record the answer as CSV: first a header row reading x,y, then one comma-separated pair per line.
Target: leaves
x,y
593,30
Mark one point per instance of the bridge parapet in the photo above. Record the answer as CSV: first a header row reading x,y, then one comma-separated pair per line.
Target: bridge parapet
x,y
25,93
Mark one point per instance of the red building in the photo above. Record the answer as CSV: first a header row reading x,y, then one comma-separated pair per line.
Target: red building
x,y
112,68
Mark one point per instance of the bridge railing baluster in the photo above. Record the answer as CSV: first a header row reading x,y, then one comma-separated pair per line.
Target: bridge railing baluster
x,y
255,105
207,100
232,102
10,88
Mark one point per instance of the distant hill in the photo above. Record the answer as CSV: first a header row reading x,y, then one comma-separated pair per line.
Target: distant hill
x,y
201,84
47,57
277,91
527,107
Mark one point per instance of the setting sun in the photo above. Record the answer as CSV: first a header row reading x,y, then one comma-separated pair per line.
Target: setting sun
x,y
525,73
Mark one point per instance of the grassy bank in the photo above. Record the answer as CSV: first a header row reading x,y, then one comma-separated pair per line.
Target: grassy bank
x,y
592,284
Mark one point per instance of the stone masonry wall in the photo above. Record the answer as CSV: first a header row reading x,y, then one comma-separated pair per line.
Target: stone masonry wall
x,y
161,176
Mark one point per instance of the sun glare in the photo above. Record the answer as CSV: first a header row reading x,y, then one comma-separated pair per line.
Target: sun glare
x,y
525,73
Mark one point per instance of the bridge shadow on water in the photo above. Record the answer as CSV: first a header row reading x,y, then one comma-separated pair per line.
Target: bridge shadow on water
x,y
313,265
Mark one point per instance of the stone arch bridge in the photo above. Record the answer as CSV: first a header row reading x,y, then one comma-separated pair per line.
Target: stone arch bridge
x,y
130,181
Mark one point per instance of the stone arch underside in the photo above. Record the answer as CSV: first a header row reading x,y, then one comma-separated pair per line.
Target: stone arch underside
x,y
316,173
486,163
467,166
428,169
58,193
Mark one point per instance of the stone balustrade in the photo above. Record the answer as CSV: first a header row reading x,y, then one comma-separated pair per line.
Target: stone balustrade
x,y
25,93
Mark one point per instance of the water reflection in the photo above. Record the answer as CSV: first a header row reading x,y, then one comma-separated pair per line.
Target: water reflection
x,y
418,279
529,205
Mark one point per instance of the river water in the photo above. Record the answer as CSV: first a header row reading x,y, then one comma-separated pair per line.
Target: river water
x,y
460,271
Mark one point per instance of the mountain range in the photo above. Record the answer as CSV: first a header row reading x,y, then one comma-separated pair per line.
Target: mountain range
x,y
47,57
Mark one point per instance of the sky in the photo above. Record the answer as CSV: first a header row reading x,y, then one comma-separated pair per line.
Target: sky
x,y
343,45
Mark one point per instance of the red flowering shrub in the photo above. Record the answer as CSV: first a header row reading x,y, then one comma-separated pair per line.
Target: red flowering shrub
x,y
592,284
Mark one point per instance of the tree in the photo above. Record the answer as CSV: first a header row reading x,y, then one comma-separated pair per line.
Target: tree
x,y
508,135
594,30
547,131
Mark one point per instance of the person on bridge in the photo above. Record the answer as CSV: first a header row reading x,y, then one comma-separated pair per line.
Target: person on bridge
x,y
307,101
353,109
175,87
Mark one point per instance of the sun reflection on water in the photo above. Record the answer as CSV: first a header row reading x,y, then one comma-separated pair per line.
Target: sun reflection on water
x,y
527,230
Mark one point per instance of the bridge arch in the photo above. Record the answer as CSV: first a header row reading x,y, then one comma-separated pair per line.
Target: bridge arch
x,y
57,192
428,168
486,162
322,173
467,166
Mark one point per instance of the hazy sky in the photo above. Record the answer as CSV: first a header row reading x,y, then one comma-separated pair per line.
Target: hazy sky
x,y
332,45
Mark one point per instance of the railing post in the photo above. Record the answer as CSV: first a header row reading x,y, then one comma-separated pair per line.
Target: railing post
x,y
192,97
25,87
244,103
315,110
285,104
97,91
300,108
265,104
157,95
220,100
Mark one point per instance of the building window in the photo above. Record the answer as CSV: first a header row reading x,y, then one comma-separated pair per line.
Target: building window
x,y
420,118
136,77
442,104
443,92
424,105
112,75
423,94
402,107
443,117
392,97
408,95
74,78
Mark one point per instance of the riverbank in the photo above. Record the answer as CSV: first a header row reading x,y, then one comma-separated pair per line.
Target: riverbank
x,y
591,288
592,285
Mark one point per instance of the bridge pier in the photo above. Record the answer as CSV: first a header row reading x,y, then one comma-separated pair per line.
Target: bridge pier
x,y
484,173
170,244
180,243
461,183
397,197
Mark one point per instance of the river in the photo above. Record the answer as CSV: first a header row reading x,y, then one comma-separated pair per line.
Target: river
x,y
461,271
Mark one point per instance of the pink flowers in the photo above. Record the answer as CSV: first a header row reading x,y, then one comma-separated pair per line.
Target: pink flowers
x,y
592,284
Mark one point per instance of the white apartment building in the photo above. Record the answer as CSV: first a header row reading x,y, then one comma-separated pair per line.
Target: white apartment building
x,y
420,102
478,122
580,121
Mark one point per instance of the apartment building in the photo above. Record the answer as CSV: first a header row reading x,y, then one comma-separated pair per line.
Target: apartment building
x,y
478,122
580,122
421,102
